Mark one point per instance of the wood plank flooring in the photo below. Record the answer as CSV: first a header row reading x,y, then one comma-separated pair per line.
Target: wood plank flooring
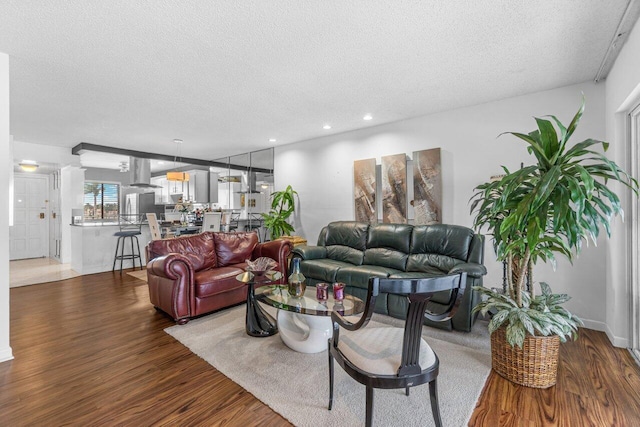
x,y
91,351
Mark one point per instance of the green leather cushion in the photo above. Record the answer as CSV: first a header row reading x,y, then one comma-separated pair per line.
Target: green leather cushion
x,y
385,258
323,270
391,236
431,263
345,254
347,233
450,240
359,276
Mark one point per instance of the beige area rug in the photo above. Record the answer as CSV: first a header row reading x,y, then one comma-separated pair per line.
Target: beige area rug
x,y
296,385
139,274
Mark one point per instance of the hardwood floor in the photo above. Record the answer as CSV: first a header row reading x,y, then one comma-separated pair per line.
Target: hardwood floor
x,y
91,350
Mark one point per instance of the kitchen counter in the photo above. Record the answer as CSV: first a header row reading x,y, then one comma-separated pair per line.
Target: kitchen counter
x,y
93,246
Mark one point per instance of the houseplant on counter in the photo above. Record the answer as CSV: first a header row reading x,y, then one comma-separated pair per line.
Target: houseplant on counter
x,y
282,207
534,213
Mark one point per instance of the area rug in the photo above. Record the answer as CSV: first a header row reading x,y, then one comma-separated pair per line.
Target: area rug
x,y
296,385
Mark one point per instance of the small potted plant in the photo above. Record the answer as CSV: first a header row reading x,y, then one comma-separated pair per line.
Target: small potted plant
x,y
282,207
547,208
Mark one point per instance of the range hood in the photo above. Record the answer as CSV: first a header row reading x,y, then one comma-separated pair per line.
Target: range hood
x,y
140,170
248,183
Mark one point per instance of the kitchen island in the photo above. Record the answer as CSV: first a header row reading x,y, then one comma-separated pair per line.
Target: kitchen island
x,y
93,246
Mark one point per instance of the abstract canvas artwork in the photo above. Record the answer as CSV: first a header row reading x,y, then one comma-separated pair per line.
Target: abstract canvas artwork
x,y
427,187
364,179
394,189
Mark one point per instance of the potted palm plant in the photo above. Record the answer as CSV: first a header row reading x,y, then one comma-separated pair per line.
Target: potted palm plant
x,y
282,207
550,207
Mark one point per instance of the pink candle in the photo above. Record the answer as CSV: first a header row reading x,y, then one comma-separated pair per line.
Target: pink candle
x,y
322,291
338,291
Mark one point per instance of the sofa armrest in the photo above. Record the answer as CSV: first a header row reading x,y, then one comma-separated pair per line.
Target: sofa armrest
x,y
472,269
310,252
171,266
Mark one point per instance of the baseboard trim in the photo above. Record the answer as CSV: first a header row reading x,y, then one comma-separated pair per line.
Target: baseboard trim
x,y
6,354
603,327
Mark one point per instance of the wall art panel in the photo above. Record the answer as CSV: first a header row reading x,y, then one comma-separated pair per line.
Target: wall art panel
x,y
427,187
394,188
364,190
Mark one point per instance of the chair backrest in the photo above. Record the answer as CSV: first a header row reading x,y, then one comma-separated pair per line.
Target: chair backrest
x,y
130,222
154,227
419,292
211,221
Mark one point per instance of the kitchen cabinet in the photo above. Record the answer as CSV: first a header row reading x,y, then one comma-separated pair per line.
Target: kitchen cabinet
x,y
198,186
162,193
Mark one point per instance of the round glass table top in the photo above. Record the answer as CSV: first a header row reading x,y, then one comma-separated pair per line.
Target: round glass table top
x,y
265,277
277,296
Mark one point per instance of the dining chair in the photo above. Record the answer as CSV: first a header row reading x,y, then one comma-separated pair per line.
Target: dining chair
x,y
211,221
392,357
154,227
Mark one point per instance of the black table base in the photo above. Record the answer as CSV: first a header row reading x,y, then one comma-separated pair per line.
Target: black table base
x,y
259,323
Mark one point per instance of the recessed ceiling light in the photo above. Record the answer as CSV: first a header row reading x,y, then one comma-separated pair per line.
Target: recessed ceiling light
x,y
272,140
160,162
326,127
177,141
367,117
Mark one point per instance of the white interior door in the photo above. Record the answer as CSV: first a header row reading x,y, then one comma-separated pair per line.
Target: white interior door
x,y
29,235
55,233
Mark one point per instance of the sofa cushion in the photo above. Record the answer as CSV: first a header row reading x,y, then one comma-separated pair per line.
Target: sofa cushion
x,y
345,254
431,263
324,270
449,240
216,280
198,248
347,233
358,276
234,248
385,258
391,236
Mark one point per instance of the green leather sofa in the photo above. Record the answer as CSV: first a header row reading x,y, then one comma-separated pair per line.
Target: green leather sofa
x,y
351,252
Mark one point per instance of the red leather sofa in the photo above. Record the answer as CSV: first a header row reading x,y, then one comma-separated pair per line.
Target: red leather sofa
x,y
196,274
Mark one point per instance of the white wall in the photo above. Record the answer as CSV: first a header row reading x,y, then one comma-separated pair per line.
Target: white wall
x,y
44,154
321,170
623,91
5,348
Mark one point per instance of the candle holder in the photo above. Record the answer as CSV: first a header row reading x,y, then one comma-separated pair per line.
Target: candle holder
x,y
322,291
338,291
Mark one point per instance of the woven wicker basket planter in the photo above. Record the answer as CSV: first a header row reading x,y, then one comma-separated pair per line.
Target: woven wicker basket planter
x,y
533,365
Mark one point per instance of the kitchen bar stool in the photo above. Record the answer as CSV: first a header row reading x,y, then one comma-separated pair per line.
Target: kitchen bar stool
x,y
130,228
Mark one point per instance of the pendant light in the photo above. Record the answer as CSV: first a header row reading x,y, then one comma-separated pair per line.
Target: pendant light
x,y
175,175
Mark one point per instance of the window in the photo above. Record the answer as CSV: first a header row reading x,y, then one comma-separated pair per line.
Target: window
x,y
101,201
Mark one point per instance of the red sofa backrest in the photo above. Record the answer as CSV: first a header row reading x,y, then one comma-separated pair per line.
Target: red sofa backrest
x,y
234,248
199,248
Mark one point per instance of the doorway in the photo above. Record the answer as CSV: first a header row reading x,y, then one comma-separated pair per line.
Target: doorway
x,y
29,235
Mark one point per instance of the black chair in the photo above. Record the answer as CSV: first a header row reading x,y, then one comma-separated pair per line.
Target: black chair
x,y
130,228
402,359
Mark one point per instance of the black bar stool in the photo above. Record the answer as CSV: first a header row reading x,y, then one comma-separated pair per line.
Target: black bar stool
x,y
130,228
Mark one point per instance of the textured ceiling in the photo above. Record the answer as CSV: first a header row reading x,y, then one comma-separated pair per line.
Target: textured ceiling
x,y
226,76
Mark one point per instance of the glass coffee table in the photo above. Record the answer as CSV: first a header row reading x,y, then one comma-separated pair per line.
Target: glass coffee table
x,y
304,322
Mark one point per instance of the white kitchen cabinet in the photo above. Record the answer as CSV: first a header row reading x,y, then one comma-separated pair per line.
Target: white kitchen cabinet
x,y
198,186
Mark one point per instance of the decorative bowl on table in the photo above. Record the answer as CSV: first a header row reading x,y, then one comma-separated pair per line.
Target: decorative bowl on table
x,y
261,265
